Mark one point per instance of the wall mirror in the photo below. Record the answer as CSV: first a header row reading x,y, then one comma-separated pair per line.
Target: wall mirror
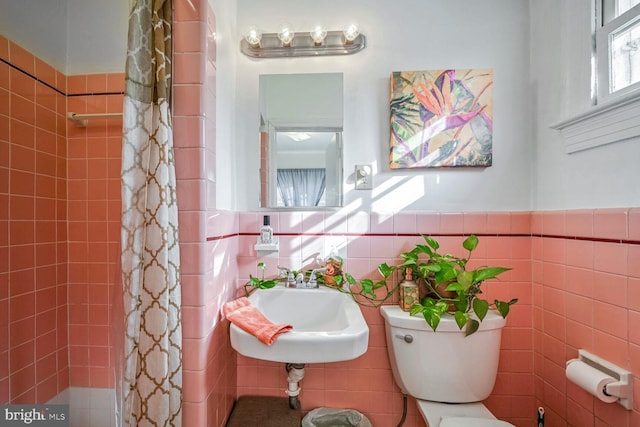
x,y
301,124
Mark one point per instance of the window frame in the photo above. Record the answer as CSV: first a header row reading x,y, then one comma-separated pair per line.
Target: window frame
x,y
610,119
602,36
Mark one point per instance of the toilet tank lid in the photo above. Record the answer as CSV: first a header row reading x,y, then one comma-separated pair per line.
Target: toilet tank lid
x,y
472,422
395,316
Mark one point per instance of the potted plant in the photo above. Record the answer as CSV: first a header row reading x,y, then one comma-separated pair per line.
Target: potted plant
x,y
451,286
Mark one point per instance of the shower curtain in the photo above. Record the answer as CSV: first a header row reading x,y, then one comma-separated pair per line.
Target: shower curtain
x,y
149,381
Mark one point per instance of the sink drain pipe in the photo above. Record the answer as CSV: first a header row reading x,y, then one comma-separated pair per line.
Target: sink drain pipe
x,y
296,374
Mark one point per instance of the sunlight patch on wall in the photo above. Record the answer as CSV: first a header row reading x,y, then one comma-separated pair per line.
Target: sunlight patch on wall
x,y
397,193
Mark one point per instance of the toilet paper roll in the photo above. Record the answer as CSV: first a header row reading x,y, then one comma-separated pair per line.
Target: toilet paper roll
x,y
590,379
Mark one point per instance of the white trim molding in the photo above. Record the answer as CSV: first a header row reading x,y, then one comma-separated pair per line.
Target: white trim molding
x,y
602,124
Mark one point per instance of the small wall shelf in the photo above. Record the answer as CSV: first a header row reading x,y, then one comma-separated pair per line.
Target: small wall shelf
x,y
266,249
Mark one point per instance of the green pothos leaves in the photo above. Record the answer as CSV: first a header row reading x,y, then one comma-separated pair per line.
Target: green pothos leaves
x,y
503,307
261,283
432,310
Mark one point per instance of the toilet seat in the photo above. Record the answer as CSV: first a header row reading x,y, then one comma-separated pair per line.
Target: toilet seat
x,y
472,422
475,414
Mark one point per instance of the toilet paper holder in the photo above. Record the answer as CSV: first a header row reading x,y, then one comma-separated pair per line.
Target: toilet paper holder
x,y
622,388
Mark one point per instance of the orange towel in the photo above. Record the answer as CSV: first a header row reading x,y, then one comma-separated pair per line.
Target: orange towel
x,y
247,317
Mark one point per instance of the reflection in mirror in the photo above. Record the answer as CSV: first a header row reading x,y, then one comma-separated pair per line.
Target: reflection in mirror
x,y
301,140
306,169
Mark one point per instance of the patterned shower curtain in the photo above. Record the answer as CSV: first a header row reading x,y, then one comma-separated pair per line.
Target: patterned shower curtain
x,y
150,389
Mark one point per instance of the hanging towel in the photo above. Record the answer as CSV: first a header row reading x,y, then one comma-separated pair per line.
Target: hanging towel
x,y
247,317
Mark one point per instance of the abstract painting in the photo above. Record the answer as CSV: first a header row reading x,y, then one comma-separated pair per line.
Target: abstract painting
x,y
441,118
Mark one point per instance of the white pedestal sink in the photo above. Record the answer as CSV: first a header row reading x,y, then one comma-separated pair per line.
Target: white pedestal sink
x,y
328,326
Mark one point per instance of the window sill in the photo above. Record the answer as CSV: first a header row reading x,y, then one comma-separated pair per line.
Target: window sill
x,y
602,124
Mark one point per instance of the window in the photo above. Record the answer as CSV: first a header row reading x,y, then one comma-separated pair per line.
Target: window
x,y
617,48
613,117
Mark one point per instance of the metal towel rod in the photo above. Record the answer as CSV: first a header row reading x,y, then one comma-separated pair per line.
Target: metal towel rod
x,y
81,120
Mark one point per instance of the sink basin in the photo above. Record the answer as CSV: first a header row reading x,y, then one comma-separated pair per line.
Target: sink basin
x,y
328,326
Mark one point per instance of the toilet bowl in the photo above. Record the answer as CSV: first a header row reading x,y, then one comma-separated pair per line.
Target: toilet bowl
x,y
433,367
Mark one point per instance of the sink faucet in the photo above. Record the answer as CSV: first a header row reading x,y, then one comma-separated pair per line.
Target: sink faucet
x,y
291,280
313,279
298,280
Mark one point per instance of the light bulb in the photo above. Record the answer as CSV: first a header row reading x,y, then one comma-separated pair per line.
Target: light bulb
x,y
253,36
286,35
318,34
351,33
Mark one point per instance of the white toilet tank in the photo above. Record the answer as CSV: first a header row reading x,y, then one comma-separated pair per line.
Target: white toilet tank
x,y
442,366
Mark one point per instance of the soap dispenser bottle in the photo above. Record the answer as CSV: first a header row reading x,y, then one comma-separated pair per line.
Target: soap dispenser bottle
x,y
266,232
409,291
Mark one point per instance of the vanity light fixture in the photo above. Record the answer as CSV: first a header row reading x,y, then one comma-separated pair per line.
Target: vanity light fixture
x,y
253,36
318,35
286,43
350,34
286,35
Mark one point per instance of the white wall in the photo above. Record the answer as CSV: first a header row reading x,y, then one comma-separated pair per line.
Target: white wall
x,y
38,26
97,36
74,36
602,177
403,35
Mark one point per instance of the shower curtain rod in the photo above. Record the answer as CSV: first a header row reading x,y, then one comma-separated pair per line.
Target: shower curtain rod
x,y
81,120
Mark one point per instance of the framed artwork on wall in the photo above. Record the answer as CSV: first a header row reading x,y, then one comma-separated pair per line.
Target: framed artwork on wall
x,y
441,118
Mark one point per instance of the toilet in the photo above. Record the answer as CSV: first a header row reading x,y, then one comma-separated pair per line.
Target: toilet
x,y
447,373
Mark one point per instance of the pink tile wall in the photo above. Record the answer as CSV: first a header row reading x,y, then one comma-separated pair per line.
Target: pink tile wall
x,y
365,241
208,237
576,274
586,287
93,200
33,235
